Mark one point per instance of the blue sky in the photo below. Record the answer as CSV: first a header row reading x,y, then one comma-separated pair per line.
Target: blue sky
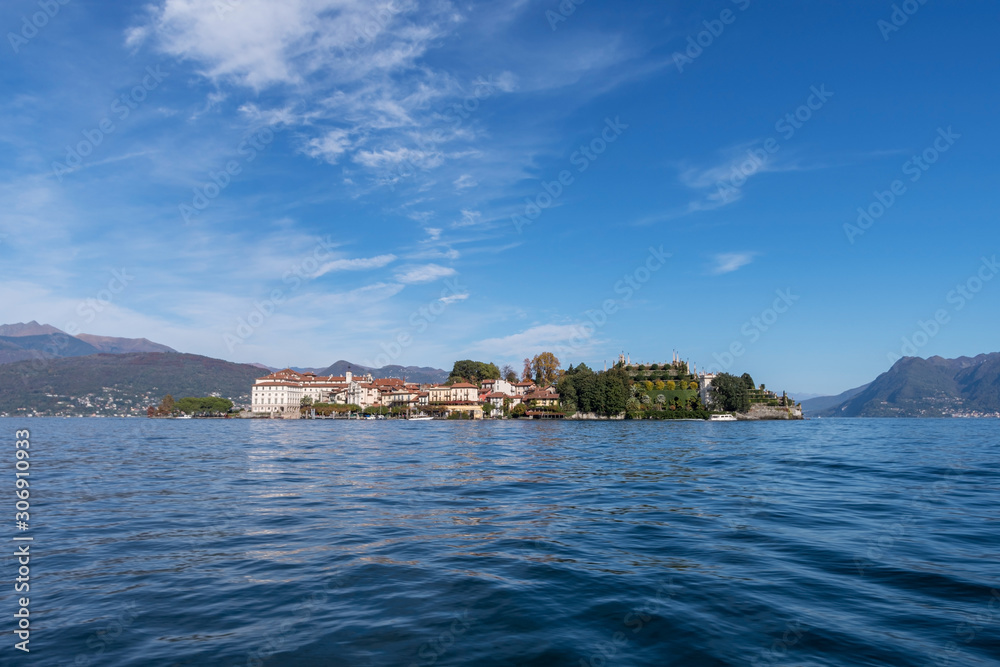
x,y
377,168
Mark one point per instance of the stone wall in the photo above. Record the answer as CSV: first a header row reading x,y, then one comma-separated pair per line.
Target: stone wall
x,y
760,412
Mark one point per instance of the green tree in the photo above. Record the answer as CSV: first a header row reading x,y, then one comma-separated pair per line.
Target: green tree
x,y
693,386
671,385
615,392
660,385
588,398
306,401
567,390
508,373
203,405
730,393
748,381
475,372
518,410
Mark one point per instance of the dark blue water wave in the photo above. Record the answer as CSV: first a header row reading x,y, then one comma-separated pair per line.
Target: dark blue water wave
x,y
839,542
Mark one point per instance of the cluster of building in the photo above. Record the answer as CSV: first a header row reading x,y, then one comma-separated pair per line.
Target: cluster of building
x,y
281,394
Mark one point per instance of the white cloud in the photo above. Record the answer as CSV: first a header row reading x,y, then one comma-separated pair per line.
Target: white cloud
x,y
385,159
329,147
469,218
731,261
363,295
464,182
360,264
559,338
453,298
424,274
433,233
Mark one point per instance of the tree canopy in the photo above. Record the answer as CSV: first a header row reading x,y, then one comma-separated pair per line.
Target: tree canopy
x,y
473,371
604,393
546,368
731,393
206,404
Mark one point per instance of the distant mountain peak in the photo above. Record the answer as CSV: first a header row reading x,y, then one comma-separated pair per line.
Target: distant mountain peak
x,y
917,387
31,328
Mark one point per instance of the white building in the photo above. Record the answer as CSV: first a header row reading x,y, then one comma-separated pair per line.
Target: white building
x,y
281,393
705,387
498,386
464,392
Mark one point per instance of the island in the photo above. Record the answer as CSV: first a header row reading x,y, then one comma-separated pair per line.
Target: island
x,y
542,391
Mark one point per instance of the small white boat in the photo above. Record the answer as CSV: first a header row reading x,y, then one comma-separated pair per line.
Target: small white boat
x,y
722,418
421,418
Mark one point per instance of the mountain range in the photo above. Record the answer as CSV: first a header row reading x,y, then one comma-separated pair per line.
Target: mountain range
x,y
117,384
45,370
32,340
48,371
915,387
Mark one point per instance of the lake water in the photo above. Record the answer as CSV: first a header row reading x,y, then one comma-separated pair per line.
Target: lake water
x,y
224,543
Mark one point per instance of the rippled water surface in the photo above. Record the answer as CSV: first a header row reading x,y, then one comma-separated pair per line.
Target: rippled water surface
x,y
837,542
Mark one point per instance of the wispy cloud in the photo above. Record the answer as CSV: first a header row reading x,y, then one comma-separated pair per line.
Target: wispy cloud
x,y
424,274
540,338
730,261
360,264
469,218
